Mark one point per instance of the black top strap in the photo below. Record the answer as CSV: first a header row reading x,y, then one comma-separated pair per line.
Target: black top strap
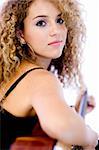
x,y
18,80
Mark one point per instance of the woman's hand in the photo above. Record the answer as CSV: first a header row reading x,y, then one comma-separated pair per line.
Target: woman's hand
x,y
90,102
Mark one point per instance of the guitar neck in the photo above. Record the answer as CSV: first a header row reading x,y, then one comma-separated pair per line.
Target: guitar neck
x,y
83,104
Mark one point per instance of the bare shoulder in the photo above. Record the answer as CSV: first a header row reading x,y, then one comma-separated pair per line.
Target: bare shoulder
x,y
43,77
44,87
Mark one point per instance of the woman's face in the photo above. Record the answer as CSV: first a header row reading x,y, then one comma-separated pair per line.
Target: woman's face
x,y
44,30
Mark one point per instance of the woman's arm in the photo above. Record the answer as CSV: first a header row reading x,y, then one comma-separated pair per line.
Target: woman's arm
x,y
57,119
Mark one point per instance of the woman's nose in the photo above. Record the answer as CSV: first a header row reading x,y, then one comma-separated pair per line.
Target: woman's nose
x,y
54,29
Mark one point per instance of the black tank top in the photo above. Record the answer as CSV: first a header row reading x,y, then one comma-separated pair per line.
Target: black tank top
x,y
11,126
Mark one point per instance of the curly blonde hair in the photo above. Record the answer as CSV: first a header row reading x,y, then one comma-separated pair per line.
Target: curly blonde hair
x,y
12,52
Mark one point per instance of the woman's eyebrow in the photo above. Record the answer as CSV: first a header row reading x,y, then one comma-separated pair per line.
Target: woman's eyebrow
x,y
40,16
59,15
45,16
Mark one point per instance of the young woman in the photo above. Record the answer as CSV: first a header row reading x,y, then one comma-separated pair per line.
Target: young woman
x,y
36,34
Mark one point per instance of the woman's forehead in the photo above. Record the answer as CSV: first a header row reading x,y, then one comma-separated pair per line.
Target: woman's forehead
x,y
43,7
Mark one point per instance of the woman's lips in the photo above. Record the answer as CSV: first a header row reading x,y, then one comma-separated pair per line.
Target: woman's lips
x,y
55,43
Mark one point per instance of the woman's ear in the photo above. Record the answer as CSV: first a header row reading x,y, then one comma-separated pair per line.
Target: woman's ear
x,y
20,36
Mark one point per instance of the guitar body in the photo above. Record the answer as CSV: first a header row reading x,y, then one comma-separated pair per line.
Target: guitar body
x,y
32,143
39,140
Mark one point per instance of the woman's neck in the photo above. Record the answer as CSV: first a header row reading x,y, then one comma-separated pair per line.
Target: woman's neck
x,y
43,62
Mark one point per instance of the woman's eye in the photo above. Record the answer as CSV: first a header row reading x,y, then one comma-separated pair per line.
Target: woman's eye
x,y
41,23
60,21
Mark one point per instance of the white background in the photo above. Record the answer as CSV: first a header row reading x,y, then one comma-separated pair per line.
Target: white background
x,y
91,55
90,67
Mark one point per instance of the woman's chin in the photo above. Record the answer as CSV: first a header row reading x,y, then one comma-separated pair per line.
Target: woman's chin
x,y
56,54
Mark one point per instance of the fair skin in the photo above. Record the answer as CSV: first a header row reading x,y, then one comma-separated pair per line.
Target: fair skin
x,y
40,89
